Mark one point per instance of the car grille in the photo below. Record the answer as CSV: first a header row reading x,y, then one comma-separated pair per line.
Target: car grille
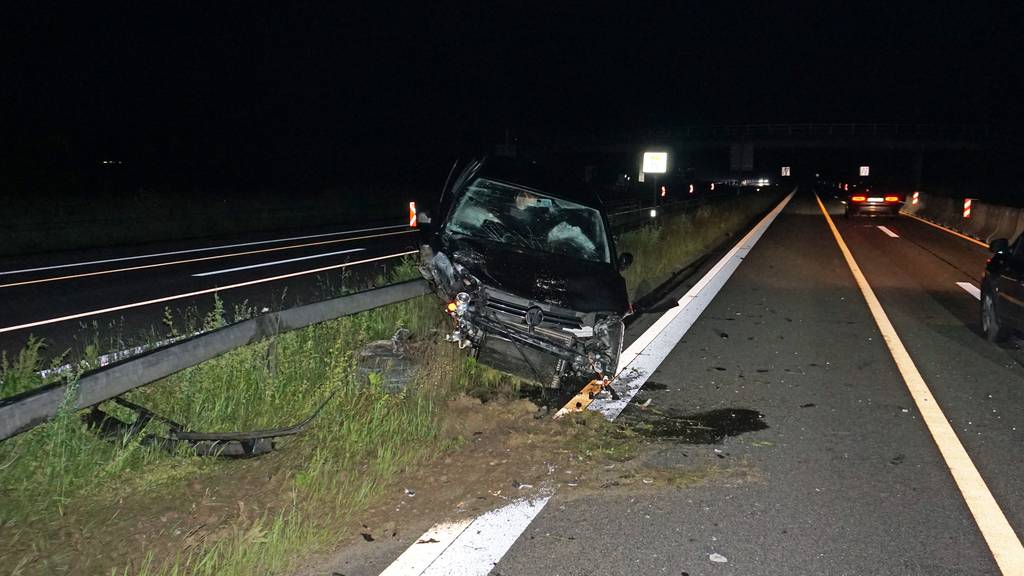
x,y
506,307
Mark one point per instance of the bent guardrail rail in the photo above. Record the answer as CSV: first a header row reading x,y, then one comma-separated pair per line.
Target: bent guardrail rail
x,y
25,411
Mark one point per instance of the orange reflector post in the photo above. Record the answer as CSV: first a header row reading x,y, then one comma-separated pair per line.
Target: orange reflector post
x,y
412,214
967,207
916,197
858,198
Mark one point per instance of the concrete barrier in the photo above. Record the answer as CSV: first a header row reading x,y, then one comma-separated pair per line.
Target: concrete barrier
x,y
987,222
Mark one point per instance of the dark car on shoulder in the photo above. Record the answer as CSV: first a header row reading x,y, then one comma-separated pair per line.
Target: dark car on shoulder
x,y
524,261
1002,290
867,200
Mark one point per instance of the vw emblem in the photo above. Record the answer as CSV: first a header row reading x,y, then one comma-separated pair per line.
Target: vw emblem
x,y
534,316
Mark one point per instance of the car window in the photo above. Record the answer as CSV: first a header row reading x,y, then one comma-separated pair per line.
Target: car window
x,y
523,218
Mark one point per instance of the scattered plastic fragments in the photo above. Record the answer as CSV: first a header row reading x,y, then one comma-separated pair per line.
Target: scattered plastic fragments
x,y
716,557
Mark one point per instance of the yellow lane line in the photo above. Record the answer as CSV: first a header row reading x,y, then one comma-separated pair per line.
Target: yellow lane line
x,y
944,229
199,292
200,259
999,535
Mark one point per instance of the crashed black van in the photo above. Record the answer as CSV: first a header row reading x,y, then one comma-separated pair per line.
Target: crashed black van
x,y
524,261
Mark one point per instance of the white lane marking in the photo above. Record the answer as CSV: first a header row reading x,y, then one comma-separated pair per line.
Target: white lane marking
x,y
200,292
427,548
276,262
643,356
888,232
971,289
469,547
475,550
999,535
194,250
201,259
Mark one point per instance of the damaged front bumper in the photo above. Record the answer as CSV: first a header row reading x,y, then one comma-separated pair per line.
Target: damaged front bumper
x,y
538,341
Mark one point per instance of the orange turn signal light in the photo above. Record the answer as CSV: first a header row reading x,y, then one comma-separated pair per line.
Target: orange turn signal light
x,y
892,198
858,198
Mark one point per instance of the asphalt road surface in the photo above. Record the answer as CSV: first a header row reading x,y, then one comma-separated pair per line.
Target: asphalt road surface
x,y
108,295
829,467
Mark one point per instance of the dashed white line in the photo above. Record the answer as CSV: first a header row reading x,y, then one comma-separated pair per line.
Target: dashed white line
x,y
888,232
194,250
276,262
971,289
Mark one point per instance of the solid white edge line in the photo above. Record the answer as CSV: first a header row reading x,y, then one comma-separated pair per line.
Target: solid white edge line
x,y
427,548
971,289
468,547
200,292
647,352
275,263
476,549
194,250
1003,542
888,232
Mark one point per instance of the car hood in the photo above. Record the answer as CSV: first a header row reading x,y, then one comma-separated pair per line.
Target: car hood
x,y
571,283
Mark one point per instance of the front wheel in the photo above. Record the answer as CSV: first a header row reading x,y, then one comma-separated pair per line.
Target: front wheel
x,y
990,325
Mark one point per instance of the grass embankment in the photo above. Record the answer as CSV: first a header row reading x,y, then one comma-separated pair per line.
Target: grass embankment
x,y
661,248
76,503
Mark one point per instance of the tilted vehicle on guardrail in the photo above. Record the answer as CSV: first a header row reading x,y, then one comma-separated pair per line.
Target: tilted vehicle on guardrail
x,y
524,260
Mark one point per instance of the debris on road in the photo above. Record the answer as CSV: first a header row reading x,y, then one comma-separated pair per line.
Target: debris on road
x,y
716,557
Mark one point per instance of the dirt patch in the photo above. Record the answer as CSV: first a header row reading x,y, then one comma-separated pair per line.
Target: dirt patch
x,y
506,450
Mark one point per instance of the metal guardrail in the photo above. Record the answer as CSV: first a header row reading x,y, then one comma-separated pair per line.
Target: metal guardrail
x,y
25,411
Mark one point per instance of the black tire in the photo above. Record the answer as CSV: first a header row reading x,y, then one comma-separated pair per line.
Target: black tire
x,y
993,329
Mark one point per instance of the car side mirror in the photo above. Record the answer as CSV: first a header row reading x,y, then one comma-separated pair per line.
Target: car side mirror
x,y
423,217
625,260
999,245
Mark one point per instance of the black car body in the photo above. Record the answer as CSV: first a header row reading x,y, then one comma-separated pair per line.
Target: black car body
x,y
1002,290
866,200
524,260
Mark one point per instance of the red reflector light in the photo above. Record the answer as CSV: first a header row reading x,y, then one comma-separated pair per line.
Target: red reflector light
x,y
858,198
892,198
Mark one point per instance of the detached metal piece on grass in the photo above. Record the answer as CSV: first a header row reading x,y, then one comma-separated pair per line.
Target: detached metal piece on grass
x,y
229,444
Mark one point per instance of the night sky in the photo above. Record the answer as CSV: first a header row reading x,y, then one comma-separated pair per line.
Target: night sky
x,y
336,84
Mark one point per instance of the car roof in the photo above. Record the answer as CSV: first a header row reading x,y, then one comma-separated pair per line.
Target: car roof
x,y
543,178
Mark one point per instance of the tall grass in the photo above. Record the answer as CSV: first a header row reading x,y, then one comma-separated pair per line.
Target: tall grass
x,y
661,248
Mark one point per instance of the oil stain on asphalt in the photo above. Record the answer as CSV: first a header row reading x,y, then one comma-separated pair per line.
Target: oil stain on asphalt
x,y
709,427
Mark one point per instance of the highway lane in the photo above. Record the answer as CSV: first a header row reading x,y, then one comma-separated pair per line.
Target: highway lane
x,y
846,479
52,288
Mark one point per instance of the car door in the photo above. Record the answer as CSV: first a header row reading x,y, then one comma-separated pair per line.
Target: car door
x,y
1011,285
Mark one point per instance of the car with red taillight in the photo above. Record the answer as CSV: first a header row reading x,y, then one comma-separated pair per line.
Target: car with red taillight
x,y
866,200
